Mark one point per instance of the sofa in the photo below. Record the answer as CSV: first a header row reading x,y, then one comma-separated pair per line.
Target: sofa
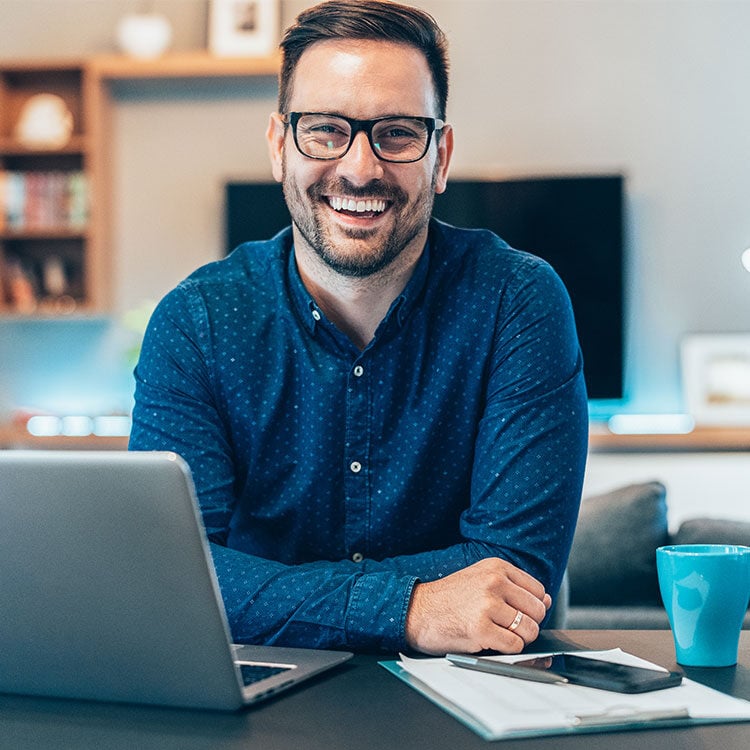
x,y
611,579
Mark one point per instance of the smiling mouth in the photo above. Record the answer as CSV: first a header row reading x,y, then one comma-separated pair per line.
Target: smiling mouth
x,y
352,206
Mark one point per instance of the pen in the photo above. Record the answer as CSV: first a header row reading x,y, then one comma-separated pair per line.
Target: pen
x,y
503,668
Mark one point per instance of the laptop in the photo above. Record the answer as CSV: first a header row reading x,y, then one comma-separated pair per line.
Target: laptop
x,y
108,592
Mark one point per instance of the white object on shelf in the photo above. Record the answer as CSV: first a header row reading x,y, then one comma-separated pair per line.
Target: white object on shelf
x,y
45,122
144,35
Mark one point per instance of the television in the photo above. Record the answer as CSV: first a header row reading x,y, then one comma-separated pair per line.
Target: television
x,y
574,222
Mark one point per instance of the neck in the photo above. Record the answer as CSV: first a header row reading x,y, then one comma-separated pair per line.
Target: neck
x,y
356,306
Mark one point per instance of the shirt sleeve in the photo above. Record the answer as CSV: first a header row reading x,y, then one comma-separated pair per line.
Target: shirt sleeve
x,y
324,605
532,441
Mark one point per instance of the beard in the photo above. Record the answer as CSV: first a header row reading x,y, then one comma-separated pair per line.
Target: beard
x,y
356,253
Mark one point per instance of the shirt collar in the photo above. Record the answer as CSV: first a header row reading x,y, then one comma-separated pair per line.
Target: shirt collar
x,y
305,305
311,314
406,301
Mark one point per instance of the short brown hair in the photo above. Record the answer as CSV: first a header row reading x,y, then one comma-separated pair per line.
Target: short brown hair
x,y
366,19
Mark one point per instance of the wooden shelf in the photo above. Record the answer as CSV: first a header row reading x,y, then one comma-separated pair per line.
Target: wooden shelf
x,y
699,439
77,146
46,178
43,233
85,86
183,65
43,65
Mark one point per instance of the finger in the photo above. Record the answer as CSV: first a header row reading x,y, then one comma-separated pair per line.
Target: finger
x,y
496,635
523,626
498,638
516,621
520,599
528,591
526,581
528,629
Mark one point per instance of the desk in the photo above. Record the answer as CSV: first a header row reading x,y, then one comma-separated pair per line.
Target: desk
x,y
358,706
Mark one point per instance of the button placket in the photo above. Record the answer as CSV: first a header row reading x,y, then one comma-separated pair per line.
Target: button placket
x,y
356,480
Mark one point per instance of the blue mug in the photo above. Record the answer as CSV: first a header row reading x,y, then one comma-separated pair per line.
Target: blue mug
x,y
705,589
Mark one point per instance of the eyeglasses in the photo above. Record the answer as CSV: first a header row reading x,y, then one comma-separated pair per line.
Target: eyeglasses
x,y
395,139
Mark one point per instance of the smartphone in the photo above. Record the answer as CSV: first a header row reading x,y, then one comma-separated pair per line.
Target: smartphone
x,y
605,675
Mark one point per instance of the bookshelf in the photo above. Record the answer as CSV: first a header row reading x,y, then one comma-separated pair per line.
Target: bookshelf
x,y
45,242
54,259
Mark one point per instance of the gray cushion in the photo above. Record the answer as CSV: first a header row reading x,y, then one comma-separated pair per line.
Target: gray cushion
x,y
613,559
713,531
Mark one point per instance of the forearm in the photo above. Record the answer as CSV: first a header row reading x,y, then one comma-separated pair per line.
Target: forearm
x,y
435,564
324,605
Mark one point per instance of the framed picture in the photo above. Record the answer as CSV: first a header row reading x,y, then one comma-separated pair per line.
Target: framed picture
x,y
243,28
716,378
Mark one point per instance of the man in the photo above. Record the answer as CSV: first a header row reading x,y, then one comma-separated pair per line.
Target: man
x,y
385,416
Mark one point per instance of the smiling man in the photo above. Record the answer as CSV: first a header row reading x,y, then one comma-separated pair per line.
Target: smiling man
x,y
385,416
360,220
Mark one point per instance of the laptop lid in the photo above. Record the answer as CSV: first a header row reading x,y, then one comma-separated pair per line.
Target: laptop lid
x,y
108,591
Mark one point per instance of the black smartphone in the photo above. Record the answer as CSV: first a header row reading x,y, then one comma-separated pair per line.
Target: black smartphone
x,y
605,675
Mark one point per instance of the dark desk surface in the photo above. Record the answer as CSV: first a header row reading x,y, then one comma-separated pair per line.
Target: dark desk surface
x,y
358,706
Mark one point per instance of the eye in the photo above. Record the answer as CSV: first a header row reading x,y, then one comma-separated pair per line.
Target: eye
x,y
400,131
324,127
316,126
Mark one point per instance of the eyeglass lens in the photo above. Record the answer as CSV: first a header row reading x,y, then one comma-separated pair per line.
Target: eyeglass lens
x,y
393,138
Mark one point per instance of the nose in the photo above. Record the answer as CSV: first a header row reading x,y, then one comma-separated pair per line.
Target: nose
x,y
359,164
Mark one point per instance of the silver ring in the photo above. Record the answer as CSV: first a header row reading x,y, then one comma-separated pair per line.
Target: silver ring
x,y
516,621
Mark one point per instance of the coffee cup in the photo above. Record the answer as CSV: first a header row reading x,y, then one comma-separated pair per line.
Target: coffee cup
x,y
705,589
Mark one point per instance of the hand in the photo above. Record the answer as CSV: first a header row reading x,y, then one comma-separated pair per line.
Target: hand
x,y
473,608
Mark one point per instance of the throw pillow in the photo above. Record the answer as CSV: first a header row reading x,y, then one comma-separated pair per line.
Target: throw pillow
x,y
613,559
713,531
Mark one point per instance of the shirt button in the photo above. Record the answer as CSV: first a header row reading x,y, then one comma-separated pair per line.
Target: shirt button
x,y
355,466
316,314
358,370
358,557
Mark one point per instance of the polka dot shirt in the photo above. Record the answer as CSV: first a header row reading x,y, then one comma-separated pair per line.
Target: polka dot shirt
x,y
331,479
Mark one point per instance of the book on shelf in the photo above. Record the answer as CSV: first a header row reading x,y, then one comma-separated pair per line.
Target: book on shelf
x,y
43,200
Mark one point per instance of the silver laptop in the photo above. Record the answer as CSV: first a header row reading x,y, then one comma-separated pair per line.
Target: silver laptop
x,y
107,590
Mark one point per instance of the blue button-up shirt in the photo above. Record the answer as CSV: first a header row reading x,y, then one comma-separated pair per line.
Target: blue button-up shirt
x,y
331,479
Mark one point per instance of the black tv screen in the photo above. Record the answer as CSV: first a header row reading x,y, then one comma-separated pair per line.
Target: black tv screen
x,y
574,222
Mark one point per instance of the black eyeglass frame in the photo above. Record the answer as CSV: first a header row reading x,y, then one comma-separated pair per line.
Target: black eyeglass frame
x,y
433,125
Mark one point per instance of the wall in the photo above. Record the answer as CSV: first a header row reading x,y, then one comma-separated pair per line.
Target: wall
x,y
655,88
698,484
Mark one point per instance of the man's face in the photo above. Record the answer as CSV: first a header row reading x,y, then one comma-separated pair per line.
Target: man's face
x,y
362,80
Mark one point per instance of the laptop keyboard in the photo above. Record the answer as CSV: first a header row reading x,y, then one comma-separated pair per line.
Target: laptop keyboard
x,y
252,673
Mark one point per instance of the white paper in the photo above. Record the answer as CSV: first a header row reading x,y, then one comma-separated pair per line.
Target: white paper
x,y
507,705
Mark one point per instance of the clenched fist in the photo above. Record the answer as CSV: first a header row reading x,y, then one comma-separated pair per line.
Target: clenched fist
x,y
492,604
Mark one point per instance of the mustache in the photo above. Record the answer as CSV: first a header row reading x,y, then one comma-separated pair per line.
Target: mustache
x,y
373,189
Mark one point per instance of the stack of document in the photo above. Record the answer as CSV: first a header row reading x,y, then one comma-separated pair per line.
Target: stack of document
x,y
498,707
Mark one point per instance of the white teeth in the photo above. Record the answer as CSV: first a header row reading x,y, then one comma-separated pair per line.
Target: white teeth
x,y
349,204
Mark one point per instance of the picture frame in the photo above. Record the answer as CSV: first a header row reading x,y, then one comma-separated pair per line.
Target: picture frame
x,y
243,28
716,378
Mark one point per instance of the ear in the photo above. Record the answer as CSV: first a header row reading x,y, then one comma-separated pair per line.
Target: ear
x,y
275,135
445,152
